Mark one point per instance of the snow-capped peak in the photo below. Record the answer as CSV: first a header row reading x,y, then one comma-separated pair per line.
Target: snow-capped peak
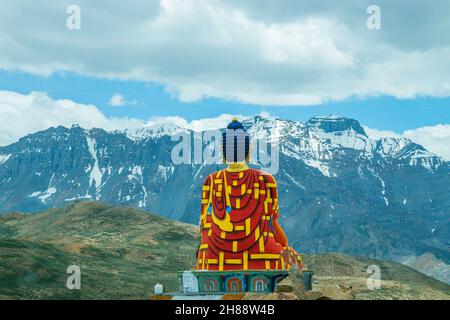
x,y
339,131
154,131
273,128
336,124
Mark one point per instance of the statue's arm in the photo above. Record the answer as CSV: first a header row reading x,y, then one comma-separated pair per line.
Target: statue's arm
x,y
279,234
205,201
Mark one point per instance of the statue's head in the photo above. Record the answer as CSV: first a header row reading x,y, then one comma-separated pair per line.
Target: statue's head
x,y
235,143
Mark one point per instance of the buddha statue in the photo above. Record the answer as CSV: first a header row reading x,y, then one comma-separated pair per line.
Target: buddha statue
x,y
239,214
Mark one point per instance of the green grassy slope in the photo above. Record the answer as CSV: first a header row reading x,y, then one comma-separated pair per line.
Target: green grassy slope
x,y
122,252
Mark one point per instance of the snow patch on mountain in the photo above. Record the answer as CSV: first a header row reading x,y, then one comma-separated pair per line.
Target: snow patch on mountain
x,y
425,159
347,139
47,194
4,158
325,170
135,174
391,147
294,181
44,195
163,173
95,173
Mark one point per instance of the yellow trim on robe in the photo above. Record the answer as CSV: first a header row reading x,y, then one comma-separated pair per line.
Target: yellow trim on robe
x,y
239,228
235,244
257,256
257,233
221,261
203,259
267,263
245,262
261,244
205,188
222,234
204,246
209,232
213,261
238,203
233,261
247,226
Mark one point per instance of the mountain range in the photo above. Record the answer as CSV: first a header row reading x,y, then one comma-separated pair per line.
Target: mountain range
x,y
339,189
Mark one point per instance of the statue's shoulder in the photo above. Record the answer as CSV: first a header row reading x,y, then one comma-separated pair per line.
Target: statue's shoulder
x,y
207,180
267,177
211,177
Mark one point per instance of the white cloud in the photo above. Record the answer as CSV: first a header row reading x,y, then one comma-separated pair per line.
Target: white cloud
x,y
118,100
263,52
24,114
434,138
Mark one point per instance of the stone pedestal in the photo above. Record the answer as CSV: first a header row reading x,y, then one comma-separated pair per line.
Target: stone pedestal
x,y
261,281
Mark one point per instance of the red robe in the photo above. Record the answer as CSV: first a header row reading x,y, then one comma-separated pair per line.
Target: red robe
x,y
249,237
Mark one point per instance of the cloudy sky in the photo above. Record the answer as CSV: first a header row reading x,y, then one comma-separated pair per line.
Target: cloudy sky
x,y
137,61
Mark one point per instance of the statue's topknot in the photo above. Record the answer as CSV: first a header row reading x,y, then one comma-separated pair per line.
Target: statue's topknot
x,y
235,142
235,124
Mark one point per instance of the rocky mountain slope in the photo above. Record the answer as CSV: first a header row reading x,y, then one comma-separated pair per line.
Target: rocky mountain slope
x,y
123,252
339,190
430,265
